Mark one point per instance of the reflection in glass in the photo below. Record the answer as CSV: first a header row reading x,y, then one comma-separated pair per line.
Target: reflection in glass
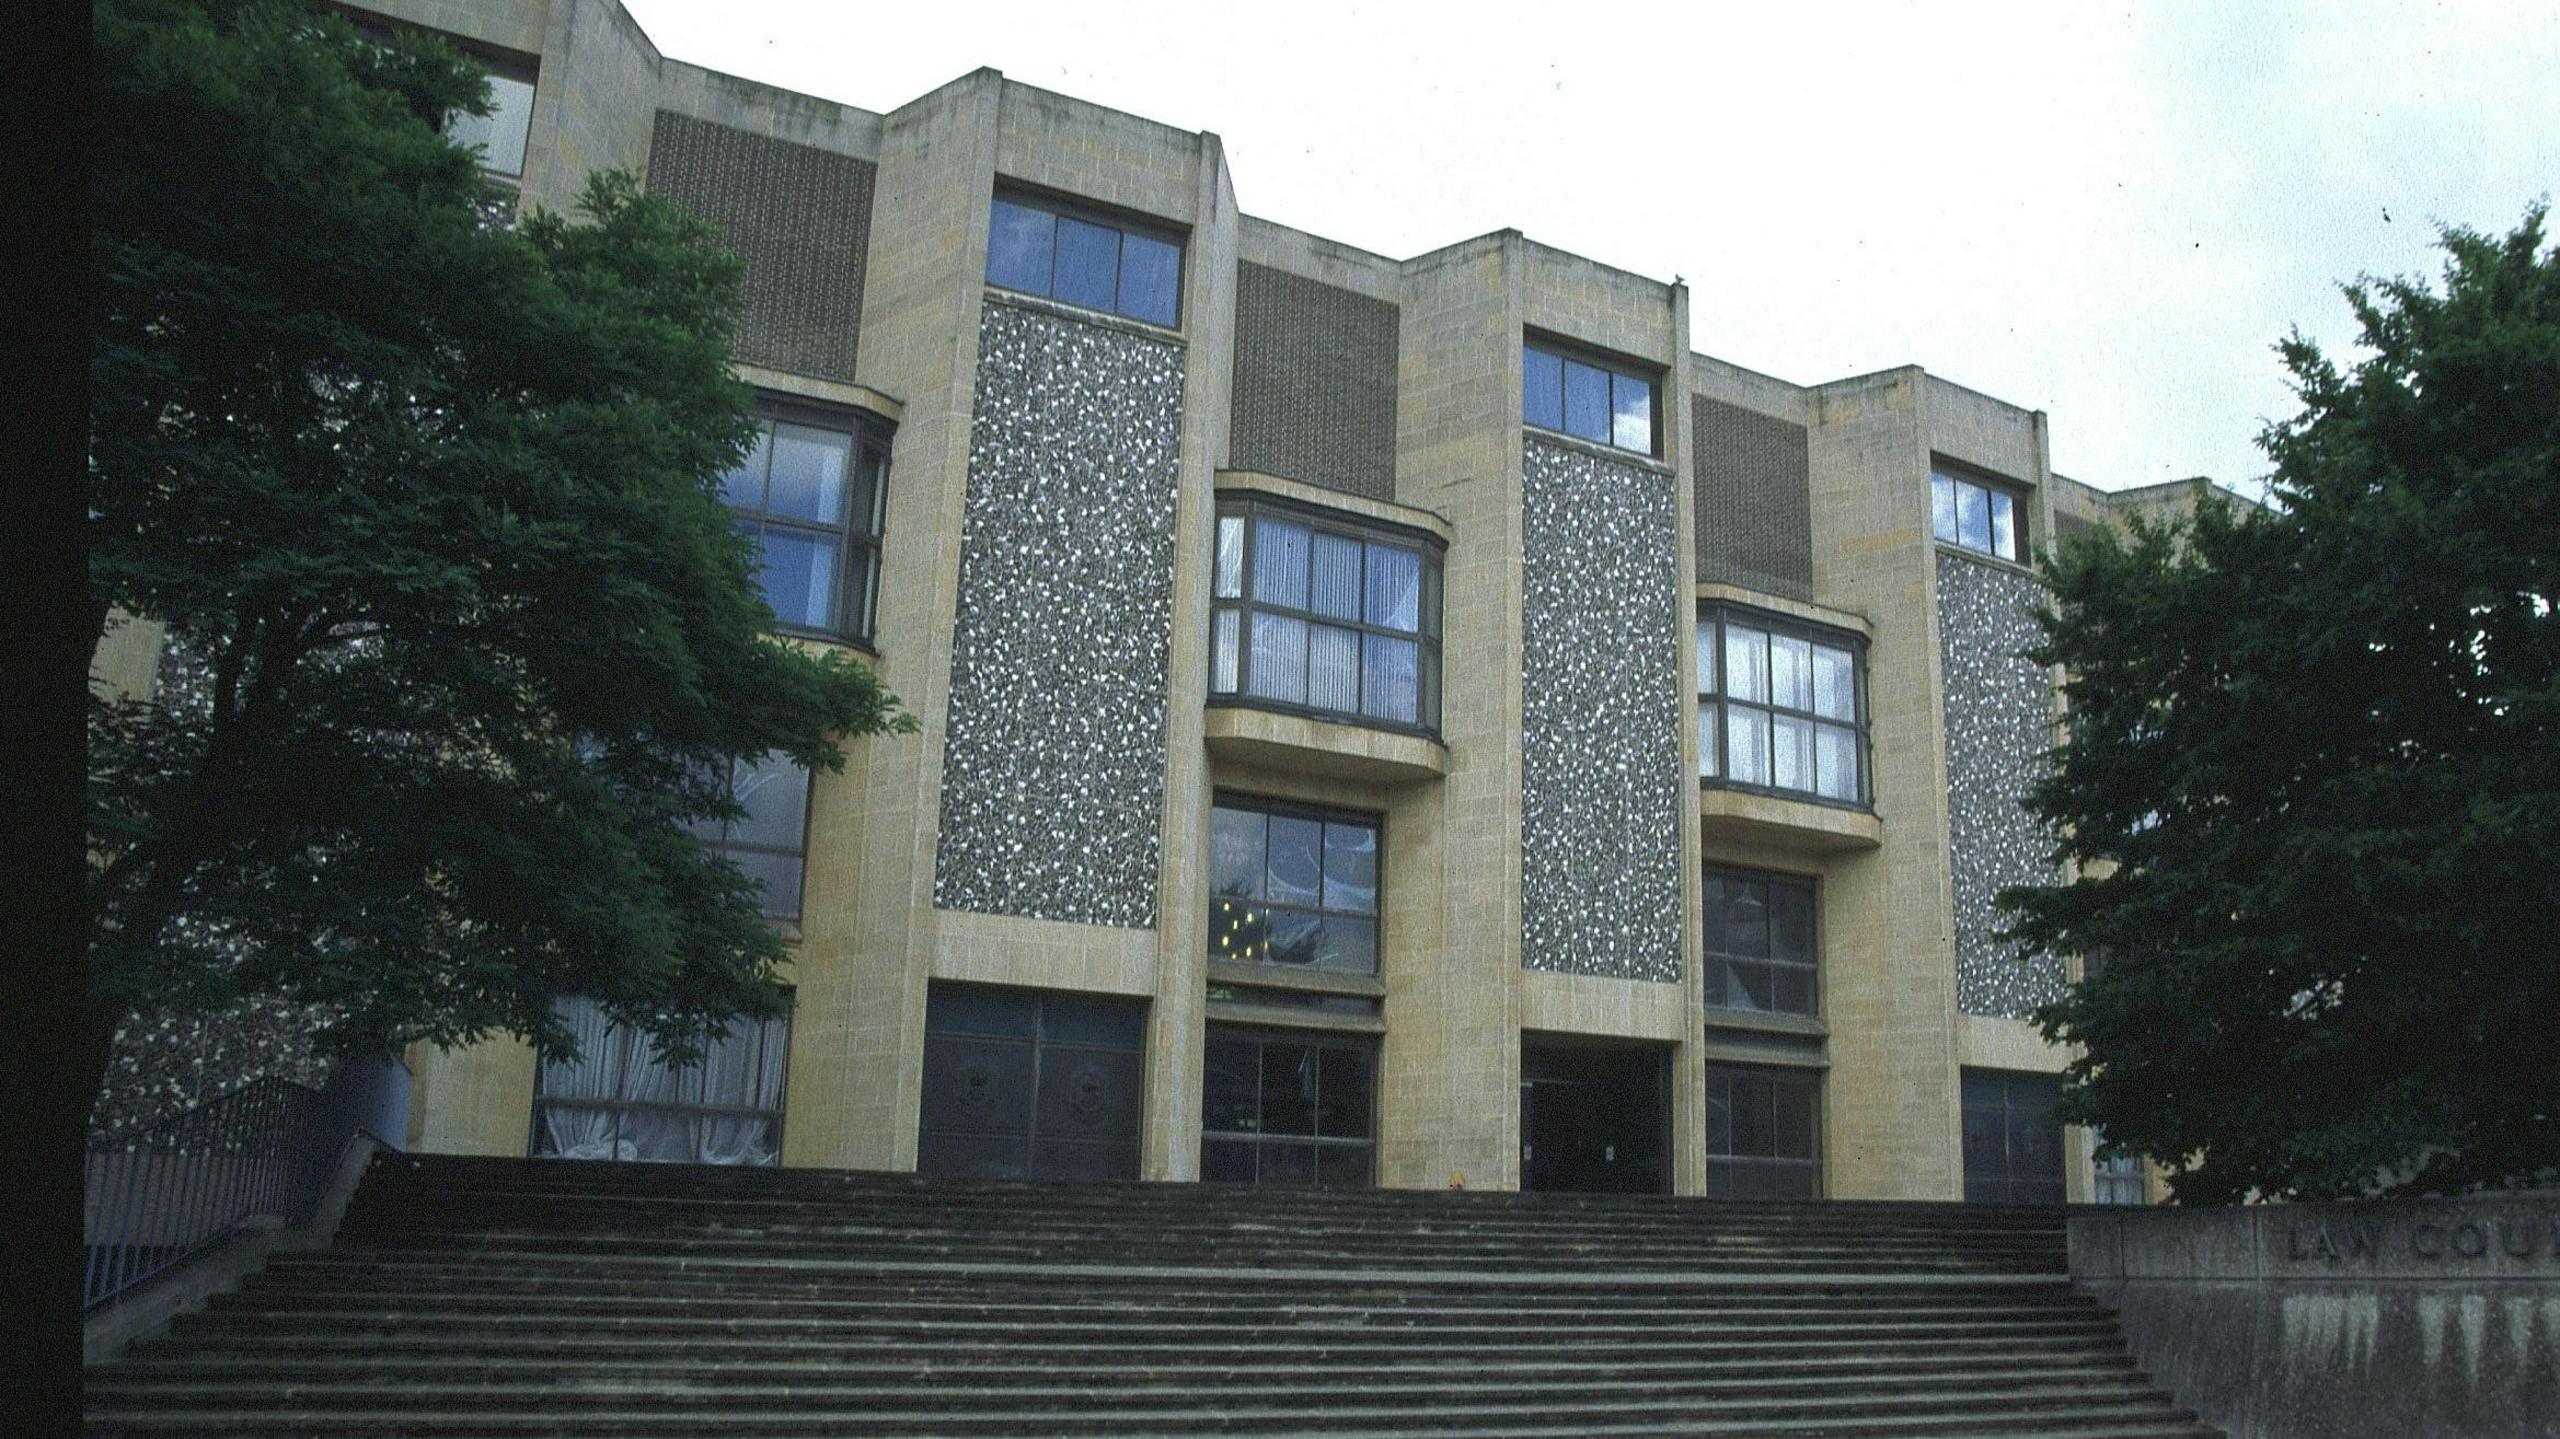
x,y
1335,591
1630,413
1333,668
1020,242
1150,279
1088,272
1586,401
1542,389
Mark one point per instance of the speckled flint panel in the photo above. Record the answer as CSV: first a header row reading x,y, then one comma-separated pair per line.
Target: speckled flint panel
x,y
1315,383
801,219
1600,778
1053,764
1999,724
1755,506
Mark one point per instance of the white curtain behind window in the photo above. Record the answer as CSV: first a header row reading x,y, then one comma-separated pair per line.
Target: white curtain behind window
x,y
619,1100
583,1130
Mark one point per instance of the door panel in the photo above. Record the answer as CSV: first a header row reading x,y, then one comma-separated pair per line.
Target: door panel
x,y
1021,1083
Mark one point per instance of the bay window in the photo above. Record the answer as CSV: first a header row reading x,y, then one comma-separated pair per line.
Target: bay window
x,y
1781,706
1325,616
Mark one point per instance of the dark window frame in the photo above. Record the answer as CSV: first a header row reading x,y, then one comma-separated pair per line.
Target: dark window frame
x,y
1718,700
1270,808
1617,368
721,844
1067,207
1811,965
1366,1046
856,617
1725,1168
765,1055
1959,478
1426,636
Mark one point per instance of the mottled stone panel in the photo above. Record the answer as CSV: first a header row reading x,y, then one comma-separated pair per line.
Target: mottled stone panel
x,y
1999,723
1054,757
801,219
1315,383
1600,778
1754,502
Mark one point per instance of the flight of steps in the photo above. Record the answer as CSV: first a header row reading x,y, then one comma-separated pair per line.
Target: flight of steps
x,y
525,1297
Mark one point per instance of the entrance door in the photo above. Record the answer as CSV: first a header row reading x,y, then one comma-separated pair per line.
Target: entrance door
x,y
1595,1118
1027,1083
2012,1142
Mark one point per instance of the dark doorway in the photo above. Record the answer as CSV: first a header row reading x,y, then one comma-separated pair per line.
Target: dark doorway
x,y
1595,1116
1021,1082
2012,1142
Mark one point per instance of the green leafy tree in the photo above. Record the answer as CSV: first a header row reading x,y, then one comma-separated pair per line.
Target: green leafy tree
x,y
2312,773
461,639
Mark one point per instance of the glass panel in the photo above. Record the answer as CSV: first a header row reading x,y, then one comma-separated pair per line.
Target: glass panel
x,y
1836,762
1279,665
1333,669
1390,690
800,577
1790,672
1542,389
1342,1093
1227,1161
1395,588
1631,413
1431,687
1790,989
1795,1102
1791,754
1223,628
1430,596
1236,859
1347,945
1706,642
1351,868
1088,1094
809,474
1586,401
1295,937
1230,556
1297,863
1973,517
871,476
1239,931
1075,1019
1942,506
1150,279
1020,241
1747,985
1720,1114
1710,718
1335,591
1088,264
1835,683
1287,1164
777,874
1288,1089
743,488
2004,533
500,134
1753,1128
858,592
1343,1166
960,1009
1745,930
1746,663
1280,562
1790,922
1746,744
1717,991
776,794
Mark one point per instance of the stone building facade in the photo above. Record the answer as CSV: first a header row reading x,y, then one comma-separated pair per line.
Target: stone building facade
x,y
1399,722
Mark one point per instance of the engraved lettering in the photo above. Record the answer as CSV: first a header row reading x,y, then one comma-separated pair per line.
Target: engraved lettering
x,y
2427,1241
2508,1234
2469,1242
2293,1243
2328,1247
2362,1241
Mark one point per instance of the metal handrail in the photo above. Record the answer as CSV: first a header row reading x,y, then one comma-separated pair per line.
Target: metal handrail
x,y
158,1196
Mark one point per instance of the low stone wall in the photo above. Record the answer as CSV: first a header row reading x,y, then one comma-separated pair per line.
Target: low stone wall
x,y
2392,1319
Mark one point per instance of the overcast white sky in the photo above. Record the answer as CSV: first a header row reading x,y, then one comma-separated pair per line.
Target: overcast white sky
x,y
2107,213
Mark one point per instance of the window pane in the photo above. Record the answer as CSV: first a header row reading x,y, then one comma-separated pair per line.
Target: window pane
x,y
1019,242
1231,1083
1542,389
2004,534
1835,762
1717,996
1294,937
1746,663
1343,1087
1835,683
1239,931
776,794
1395,587
1335,590
1793,1123
1973,517
1430,671
1754,1131
1230,556
871,481
1791,754
1790,922
1790,672
1333,669
1746,744
779,874
1280,562
1388,690
500,134
1790,989
1351,868
1236,859
1720,1114
1088,264
800,577
1342,1166
1297,860
1347,945
809,474
1631,413
1586,401
743,487
1222,652
1279,665
1288,1089
1709,720
1430,597
1227,1161
1150,280
1942,506
859,592
1706,642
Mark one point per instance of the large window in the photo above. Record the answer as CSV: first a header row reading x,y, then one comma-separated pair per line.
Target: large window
x,y
1288,1109
1040,248
1588,397
1325,616
620,1100
771,841
1976,514
1760,942
2117,1178
1764,1133
2012,1141
1291,885
811,496
500,134
1781,706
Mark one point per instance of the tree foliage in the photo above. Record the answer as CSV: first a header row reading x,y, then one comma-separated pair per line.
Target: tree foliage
x,y
461,637
2312,773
